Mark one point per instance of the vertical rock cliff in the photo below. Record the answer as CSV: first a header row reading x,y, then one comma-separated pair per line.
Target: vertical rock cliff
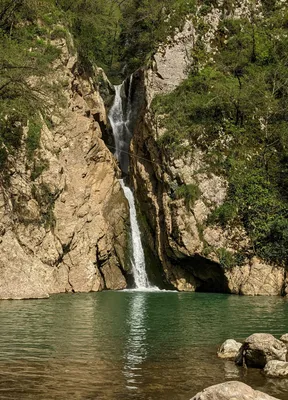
x,y
63,217
194,254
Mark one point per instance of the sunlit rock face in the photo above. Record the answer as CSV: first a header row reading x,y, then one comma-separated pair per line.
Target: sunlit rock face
x,y
69,230
260,348
230,391
191,252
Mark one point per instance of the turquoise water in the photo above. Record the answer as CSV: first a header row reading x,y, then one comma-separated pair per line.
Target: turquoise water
x,y
130,345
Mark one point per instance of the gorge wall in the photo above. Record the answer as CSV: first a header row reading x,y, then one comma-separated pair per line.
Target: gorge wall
x,y
194,254
64,219
65,228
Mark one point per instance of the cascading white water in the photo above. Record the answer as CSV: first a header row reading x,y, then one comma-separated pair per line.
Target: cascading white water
x,y
138,262
120,122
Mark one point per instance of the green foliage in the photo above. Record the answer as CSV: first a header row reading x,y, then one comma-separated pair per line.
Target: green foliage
x,y
58,32
25,55
223,214
38,168
122,35
33,138
234,108
3,157
46,200
226,258
190,193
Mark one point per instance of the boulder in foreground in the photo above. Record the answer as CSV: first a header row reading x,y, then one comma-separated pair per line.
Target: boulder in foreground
x,y
229,349
260,348
276,369
232,390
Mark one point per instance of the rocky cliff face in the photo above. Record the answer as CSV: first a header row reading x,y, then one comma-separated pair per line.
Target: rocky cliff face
x,y
193,253
63,217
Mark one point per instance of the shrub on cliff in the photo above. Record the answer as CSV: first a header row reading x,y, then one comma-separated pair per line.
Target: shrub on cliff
x,y
234,107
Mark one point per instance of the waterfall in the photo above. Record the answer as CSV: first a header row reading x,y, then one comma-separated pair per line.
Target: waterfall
x,y
120,119
138,262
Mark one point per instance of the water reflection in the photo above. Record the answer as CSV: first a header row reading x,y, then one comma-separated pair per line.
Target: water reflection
x,y
131,345
135,351
231,371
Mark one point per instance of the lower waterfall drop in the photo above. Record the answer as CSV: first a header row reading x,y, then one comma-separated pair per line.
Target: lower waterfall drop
x,y
138,262
120,121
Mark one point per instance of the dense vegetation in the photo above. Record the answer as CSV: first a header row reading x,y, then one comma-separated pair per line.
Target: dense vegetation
x,y
119,35
25,53
234,106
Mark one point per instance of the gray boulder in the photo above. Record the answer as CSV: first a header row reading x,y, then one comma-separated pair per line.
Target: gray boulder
x,y
232,390
260,348
229,349
276,369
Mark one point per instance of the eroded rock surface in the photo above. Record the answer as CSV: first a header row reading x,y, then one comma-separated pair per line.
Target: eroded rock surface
x,y
284,338
231,391
193,252
260,348
229,349
276,369
64,229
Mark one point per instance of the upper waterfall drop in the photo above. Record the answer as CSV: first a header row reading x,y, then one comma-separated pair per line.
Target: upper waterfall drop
x,y
120,120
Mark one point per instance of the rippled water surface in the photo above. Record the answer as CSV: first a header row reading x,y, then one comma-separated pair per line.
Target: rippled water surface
x,y
130,345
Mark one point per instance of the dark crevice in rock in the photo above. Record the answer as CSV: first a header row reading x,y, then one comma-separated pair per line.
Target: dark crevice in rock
x,y
100,264
69,283
65,250
101,273
126,274
209,275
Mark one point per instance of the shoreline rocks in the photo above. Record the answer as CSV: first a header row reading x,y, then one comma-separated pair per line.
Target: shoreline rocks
x,y
229,349
276,369
232,390
260,348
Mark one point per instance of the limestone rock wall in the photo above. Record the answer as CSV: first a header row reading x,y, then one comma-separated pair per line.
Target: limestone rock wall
x,y
64,229
190,250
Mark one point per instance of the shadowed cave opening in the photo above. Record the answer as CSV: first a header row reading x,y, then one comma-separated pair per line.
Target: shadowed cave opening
x,y
209,275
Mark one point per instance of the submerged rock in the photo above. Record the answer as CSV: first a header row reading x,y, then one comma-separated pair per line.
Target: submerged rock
x,y
260,348
276,369
232,390
229,349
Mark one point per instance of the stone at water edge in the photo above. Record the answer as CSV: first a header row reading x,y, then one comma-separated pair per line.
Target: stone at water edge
x,y
284,339
260,348
276,369
232,390
229,349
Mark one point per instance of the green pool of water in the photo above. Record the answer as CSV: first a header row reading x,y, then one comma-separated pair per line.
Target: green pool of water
x,y
130,345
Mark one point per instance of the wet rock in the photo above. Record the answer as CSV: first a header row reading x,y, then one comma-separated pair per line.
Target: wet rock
x,y
276,369
232,390
229,349
260,348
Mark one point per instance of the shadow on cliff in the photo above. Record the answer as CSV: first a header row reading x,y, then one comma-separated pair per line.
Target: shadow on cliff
x,y
209,275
